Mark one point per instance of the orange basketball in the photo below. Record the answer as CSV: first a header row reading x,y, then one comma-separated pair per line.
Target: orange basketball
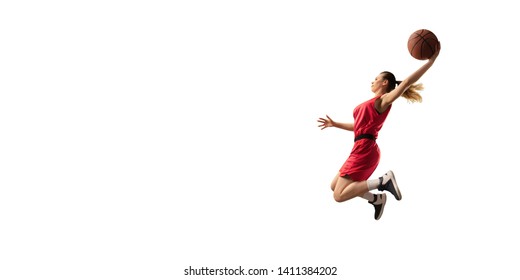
x,y
422,44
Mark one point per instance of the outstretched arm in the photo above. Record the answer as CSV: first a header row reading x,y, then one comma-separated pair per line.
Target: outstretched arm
x,y
390,97
328,122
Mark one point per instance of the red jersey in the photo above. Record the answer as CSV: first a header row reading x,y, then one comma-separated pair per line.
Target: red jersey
x,y
367,120
365,154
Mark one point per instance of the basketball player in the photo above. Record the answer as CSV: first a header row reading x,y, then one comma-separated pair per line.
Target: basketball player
x,y
352,178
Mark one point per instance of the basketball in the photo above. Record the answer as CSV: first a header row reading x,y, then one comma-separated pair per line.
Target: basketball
x,y
422,44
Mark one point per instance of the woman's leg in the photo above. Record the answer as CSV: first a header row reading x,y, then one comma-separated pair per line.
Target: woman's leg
x,y
367,195
334,181
345,188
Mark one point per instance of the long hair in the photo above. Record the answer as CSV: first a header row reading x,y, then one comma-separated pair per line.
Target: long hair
x,y
411,94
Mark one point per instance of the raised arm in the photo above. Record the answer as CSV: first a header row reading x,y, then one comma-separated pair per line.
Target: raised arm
x,y
390,97
328,122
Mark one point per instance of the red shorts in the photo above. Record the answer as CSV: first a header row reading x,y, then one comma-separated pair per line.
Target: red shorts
x,y
363,160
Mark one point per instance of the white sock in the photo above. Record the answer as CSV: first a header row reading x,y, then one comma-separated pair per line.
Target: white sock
x,y
370,196
373,184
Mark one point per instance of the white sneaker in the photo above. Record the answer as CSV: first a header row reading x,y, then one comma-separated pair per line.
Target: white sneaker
x,y
388,183
379,205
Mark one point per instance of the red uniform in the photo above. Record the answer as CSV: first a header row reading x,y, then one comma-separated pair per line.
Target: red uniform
x,y
364,158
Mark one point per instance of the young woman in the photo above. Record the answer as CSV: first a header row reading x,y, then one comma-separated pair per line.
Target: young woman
x,y
352,179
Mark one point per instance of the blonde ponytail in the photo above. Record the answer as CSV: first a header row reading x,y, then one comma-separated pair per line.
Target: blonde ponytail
x,y
412,93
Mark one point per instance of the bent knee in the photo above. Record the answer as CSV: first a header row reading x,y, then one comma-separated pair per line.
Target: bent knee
x,y
338,198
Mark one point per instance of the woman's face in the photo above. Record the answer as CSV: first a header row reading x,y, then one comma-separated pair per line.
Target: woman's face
x,y
378,83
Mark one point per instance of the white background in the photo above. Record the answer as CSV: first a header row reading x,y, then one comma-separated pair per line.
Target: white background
x,y
138,138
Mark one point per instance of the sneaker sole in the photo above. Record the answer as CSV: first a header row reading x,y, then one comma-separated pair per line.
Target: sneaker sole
x,y
382,207
397,194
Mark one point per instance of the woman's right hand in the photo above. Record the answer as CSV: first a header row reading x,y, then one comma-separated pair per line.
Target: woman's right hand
x,y
437,51
328,122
